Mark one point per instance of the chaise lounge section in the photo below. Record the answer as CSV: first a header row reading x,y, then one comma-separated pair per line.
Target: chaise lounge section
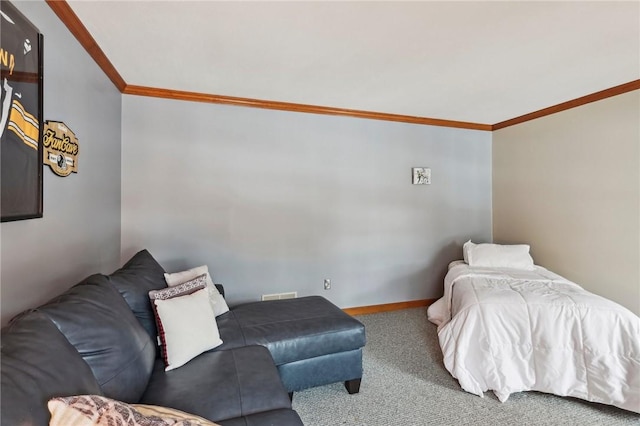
x,y
312,341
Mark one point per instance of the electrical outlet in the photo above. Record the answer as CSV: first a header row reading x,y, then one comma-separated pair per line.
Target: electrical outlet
x,y
327,284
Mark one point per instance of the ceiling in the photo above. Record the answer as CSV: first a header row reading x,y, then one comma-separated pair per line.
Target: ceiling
x,y
481,62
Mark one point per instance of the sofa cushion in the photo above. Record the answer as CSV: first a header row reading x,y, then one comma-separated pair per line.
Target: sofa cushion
x,y
281,417
298,329
234,383
134,280
230,331
38,363
97,321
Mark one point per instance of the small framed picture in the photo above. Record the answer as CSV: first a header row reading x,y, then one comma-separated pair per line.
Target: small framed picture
x,y
421,176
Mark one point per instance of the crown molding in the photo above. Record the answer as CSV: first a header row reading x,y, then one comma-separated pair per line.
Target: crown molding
x,y
80,32
295,107
597,96
77,28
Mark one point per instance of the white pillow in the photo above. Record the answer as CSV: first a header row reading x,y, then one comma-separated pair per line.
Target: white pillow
x,y
187,327
465,251
218,304
515,256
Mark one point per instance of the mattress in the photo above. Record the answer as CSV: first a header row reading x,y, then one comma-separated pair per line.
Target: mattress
x,y
509,331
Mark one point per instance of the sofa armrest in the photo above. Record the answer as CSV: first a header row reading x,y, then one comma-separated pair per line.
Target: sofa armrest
x,y
220,288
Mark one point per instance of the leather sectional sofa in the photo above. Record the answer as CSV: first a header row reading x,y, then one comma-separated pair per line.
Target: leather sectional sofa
x,y
99,338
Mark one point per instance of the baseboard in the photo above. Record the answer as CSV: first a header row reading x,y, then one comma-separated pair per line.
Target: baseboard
x,y
374,309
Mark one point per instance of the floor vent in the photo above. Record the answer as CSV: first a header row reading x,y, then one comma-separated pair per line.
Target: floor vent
x,y
278,296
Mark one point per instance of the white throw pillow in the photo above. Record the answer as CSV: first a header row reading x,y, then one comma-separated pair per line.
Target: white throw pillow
x,y
515,256
187,327
218,304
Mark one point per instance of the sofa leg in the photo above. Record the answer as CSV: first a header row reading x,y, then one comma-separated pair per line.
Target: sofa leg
x,y
291,396
353,386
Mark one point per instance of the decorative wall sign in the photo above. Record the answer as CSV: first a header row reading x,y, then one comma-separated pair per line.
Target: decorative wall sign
x,y
60,148
21,53
421,176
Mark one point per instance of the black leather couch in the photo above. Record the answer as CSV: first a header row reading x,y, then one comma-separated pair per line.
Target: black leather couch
x,y
88,341
99,337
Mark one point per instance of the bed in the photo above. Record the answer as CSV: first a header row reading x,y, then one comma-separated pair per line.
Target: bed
x,y
512,329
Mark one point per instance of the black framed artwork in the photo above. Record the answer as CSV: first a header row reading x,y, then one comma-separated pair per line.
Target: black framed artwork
x,y
21,88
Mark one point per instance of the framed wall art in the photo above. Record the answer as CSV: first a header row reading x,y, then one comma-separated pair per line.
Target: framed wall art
x,y
421,176
21,88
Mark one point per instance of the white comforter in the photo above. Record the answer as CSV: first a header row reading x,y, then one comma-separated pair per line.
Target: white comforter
x,y
511,331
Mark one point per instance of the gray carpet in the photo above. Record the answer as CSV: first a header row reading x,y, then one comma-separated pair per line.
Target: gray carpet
x,y
405,383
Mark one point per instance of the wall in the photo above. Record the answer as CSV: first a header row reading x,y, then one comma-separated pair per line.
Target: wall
x,y
569,185
277,201
80,231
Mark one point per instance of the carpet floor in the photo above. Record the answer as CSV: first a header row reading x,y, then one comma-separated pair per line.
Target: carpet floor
x,y
405,383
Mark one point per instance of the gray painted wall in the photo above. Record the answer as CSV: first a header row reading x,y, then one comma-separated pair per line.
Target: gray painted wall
x,y
277,201
80,231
